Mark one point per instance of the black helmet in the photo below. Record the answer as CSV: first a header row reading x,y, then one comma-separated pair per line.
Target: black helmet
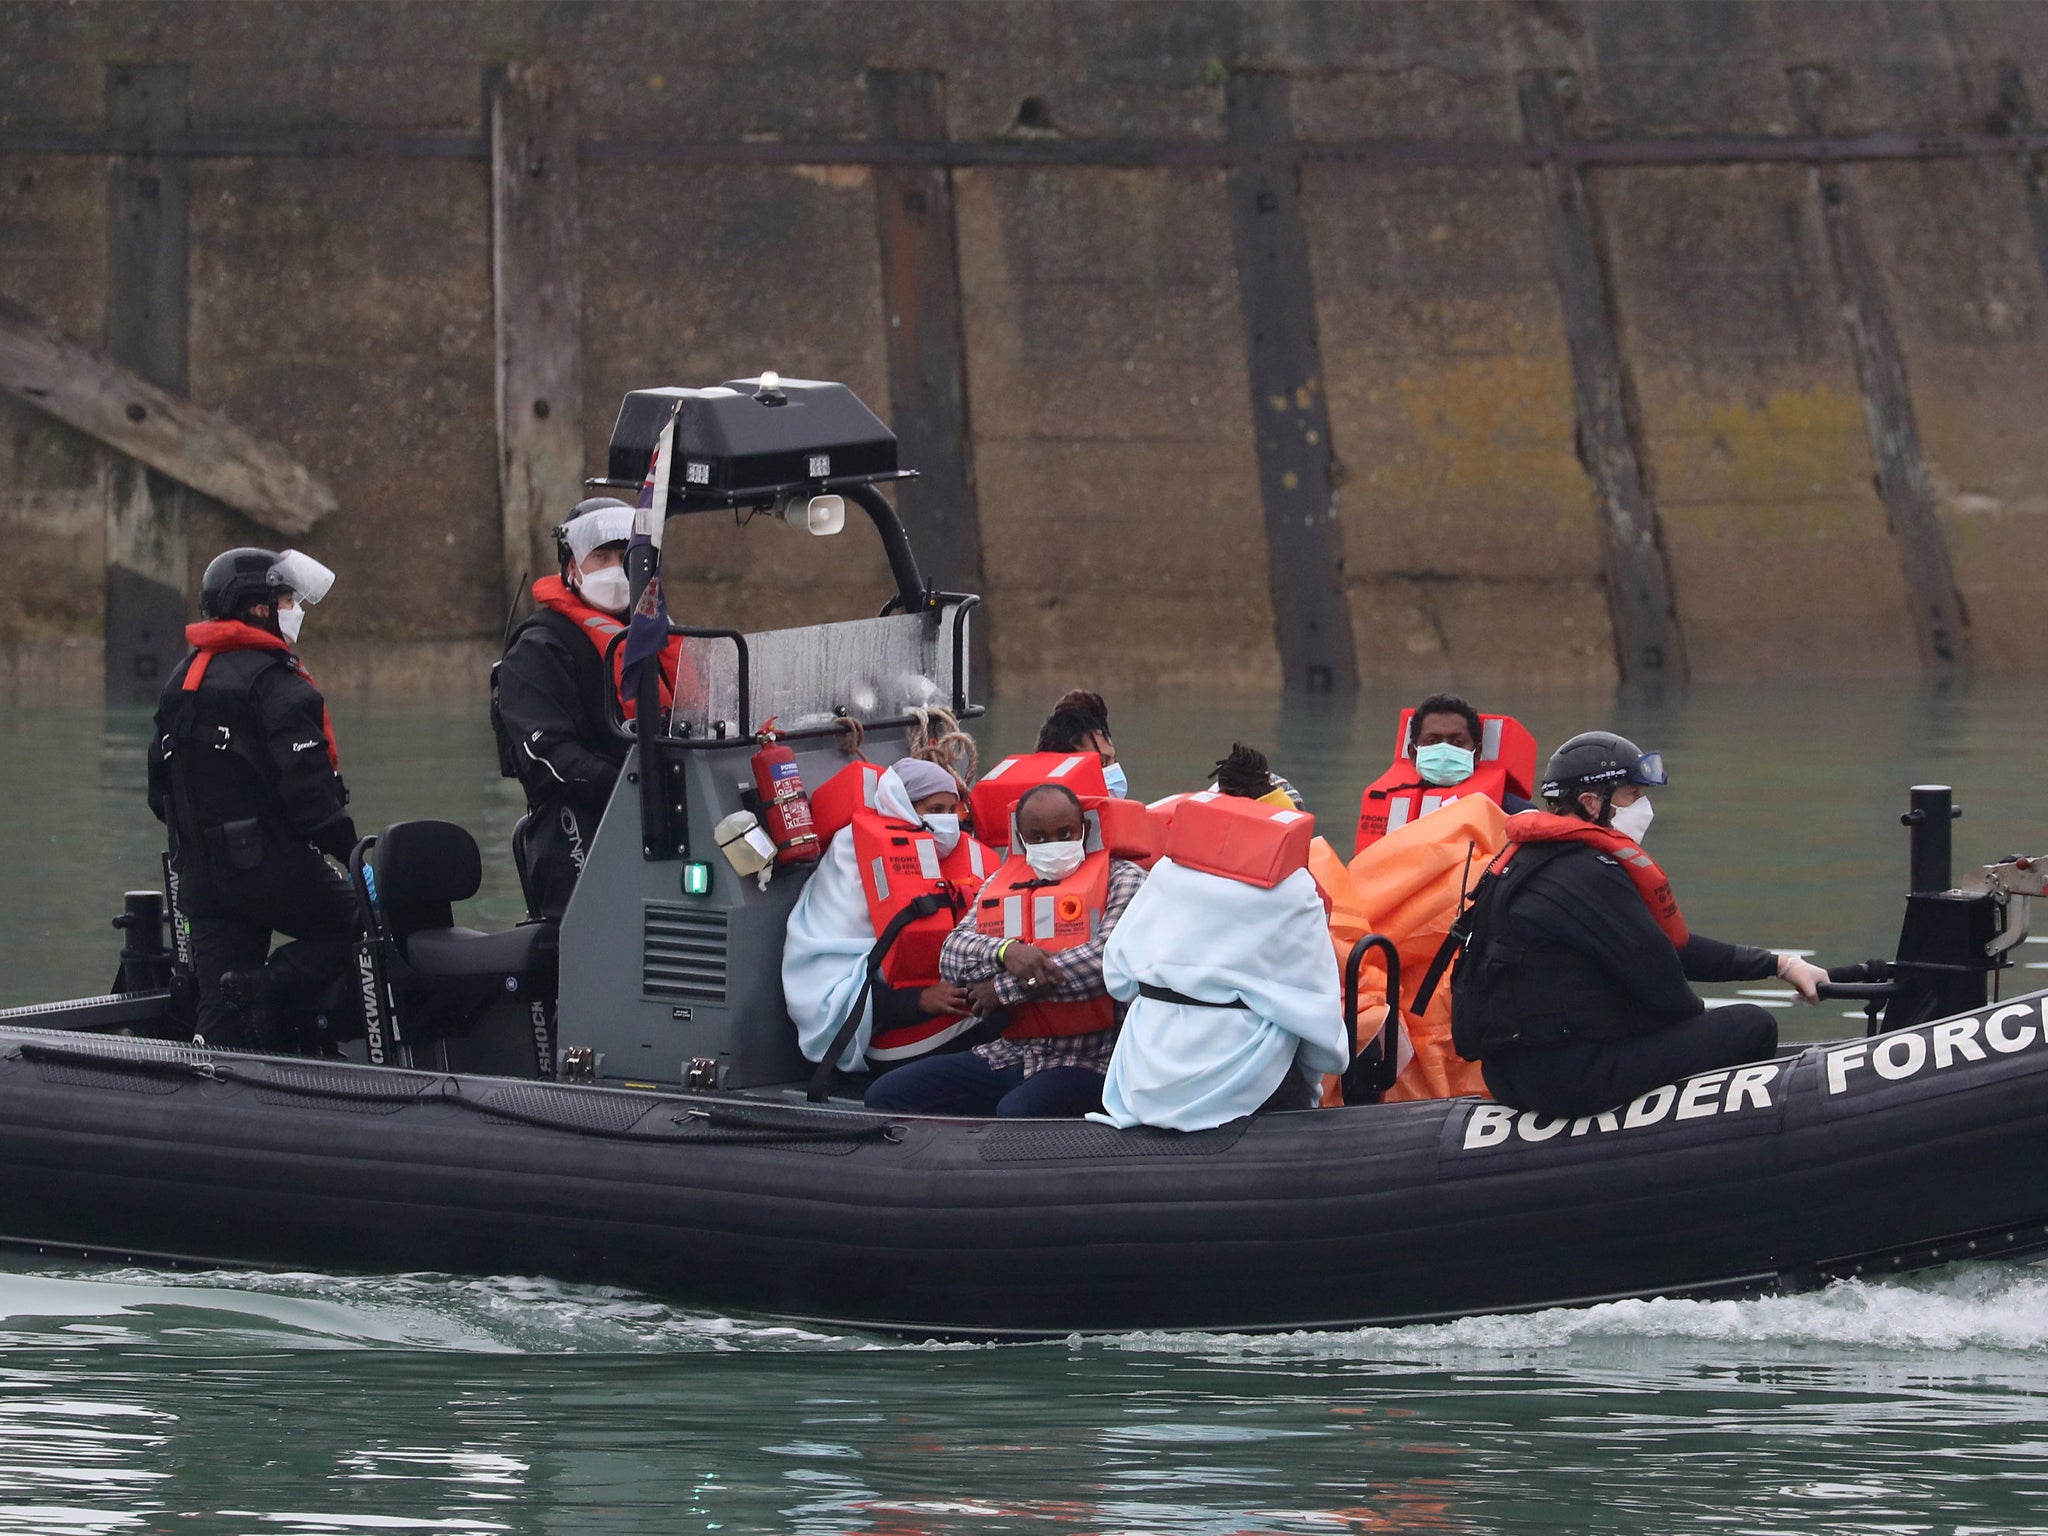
x,y
584,509
236,579
1600,761
243,576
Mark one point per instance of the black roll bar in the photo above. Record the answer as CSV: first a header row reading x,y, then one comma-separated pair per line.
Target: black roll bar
x,y
910,590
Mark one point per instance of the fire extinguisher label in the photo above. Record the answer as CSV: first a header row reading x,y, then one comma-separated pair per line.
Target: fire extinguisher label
x,y
782,770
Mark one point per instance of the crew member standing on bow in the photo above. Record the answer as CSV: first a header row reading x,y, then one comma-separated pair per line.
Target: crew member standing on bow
x,y
244,775
1031,944
551,699
1572,987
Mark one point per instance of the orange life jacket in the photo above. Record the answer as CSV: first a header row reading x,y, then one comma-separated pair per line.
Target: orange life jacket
x,y
899,861
996,793
213,636
1244,840
1504,765
1063,914
835,802
1651,883
599,627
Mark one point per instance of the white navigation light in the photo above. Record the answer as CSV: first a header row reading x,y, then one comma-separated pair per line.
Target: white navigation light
x,y
821,515
771,381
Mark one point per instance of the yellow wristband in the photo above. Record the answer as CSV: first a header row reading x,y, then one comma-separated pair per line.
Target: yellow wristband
x,y
1003,949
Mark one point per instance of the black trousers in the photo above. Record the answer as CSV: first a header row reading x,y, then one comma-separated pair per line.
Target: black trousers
x,y
556,842
1587,1077
295,892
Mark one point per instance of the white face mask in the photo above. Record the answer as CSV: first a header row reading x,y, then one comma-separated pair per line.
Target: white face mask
x,y
1633,820
607,589
1054,861
289,622
945,831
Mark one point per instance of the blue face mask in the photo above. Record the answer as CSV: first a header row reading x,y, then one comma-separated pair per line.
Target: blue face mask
x,y
1113,776
1441,763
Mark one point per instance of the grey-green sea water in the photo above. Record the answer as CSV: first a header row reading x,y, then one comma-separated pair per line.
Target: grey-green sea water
x,y
144,1400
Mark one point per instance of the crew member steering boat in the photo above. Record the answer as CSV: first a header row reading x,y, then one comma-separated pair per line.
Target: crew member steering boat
x,y
1572,988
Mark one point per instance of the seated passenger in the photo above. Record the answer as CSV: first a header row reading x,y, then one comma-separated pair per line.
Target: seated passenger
x,y
1031,948
1446,749
1079,722
912,832
1226,955
1572,986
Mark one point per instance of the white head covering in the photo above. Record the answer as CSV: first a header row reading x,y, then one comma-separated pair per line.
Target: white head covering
x,y
605,525
922,779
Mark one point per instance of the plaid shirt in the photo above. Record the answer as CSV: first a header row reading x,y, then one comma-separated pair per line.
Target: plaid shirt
x,y
970,956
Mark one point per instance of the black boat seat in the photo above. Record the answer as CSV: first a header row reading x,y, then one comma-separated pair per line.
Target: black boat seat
x,y
448,981
466,953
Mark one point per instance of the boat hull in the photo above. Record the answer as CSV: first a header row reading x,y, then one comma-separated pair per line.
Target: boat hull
x,y
1857,1158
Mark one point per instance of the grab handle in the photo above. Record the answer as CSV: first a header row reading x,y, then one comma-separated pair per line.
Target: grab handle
x,y
1370,1075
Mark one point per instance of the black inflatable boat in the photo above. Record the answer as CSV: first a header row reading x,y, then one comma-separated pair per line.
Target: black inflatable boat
x,y
1909,1148
622,1100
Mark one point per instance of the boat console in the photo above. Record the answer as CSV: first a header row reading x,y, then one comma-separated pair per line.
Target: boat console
x,y
671,957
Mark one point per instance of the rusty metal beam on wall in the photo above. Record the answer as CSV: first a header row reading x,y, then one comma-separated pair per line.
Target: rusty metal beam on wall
x,y
537,308
1290,417
1386,154
1940,624
1648,646
927,350
146,315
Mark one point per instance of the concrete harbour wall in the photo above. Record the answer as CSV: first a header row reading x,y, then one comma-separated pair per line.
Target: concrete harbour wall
x,y
342,291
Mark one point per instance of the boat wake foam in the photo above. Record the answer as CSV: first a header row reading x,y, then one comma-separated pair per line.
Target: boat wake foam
x,y
2001,1308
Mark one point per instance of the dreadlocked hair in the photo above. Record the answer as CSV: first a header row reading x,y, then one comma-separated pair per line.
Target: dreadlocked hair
x,y
935,736
1245,773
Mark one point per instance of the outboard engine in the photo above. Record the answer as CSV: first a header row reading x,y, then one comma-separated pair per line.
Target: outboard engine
x,y
1956,935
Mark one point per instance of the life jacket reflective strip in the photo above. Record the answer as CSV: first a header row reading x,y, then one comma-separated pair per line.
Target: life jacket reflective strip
x,y
1651,883
836,801
996,793
1065,914
213,636
1243,840
599,628
1505,764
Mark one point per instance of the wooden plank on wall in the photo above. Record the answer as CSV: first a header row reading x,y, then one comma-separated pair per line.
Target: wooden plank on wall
x,y
537,294
2016,107
1290,415
85,388
146,314
1648,645
1940,625
920,258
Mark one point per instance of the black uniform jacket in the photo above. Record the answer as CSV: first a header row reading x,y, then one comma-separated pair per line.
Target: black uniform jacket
x,y
254,748
1594,957
552,709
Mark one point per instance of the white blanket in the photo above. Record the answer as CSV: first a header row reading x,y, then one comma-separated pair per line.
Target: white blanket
x,y
825,953
1187,1068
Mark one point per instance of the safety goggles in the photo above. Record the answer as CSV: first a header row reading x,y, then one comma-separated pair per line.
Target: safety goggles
x,y
1648,770
301,575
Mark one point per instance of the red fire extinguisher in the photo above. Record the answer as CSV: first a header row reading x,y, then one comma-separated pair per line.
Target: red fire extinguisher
x,y
785,805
